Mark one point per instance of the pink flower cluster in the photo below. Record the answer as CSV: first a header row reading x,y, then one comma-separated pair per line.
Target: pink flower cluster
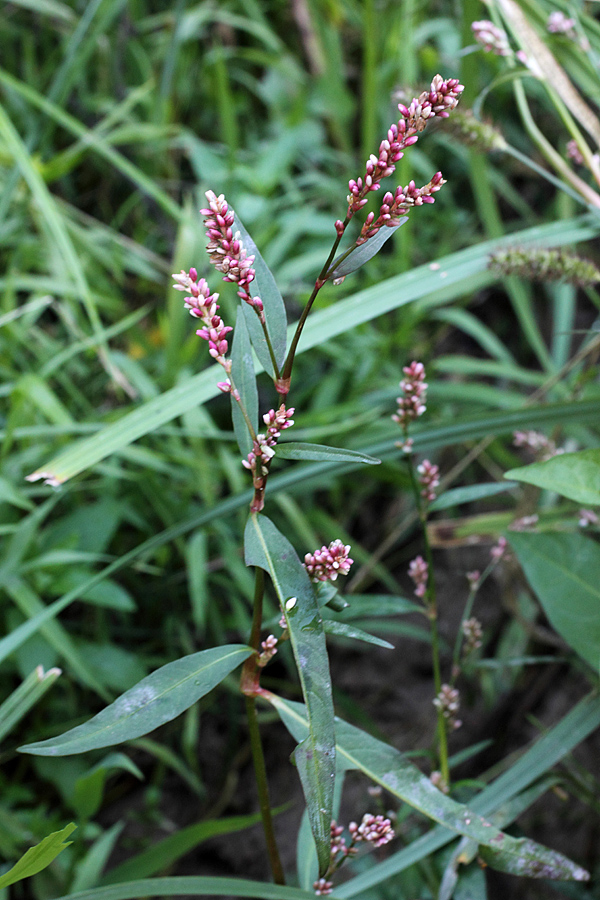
x,y
398,204
542,446
491,38
429,479
411,403
377,830
226,251
558,23
203,305
328,562
418,571
473,633
448,702
269,649
442,97
322,887
263,447
499,549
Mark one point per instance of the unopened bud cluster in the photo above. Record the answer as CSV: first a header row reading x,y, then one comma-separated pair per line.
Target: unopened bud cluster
x,y
491,38
411,402
429,479
473,634
499,549
269,649
448,703
439,100
418,571
587,517
203,305
226,250
328,562
543,447
375,830
395,205
538,264
263,446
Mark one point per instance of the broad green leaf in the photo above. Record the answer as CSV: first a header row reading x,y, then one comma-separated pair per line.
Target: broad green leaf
x,y
38,857
300,450
265,287
388,767
340,629
266,547
242,373
574,475
194,886
364,252
166,852
564,571
457,273
157,699
469,494
557,743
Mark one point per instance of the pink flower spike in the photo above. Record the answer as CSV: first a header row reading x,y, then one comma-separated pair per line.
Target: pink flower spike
x,y
418,571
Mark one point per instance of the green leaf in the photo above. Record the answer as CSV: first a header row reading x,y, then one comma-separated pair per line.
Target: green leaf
x,y
361,605
157,699
265,287
364,252
574,475
193,886
564,571
242,371
301,450
469,494
575,727
340,629
38,857
388,767
266,547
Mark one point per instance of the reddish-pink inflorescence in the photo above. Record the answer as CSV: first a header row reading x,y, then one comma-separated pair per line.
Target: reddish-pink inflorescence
x,y
328,562
429,479
269,649
395,205
263,448
439,100
418,571
203,305
491,38
411,403
322,887
376,830
226,250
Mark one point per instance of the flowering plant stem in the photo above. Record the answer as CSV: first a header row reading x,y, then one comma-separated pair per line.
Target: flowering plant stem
x,y
431,603
323,276
250,688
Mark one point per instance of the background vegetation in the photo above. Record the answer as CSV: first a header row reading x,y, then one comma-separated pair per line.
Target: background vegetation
x,y
115,118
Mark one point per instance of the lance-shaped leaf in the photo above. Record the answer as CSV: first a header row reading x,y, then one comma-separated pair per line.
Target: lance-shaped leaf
x,y
154,700
564,571
267,548
364,252
302,450
390,768
574,475
264,286
38,857
242,373
340,629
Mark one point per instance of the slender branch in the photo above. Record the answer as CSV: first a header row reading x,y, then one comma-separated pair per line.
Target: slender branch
x,y
260,772
431,603
323,275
